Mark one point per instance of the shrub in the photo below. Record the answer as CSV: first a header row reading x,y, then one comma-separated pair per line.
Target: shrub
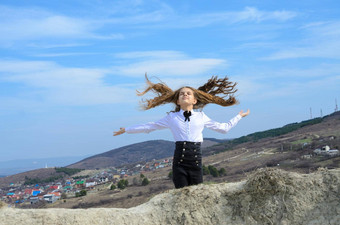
x,y
222,172
113,187
213,171
170,175
81,193
145,181
205,170
121,184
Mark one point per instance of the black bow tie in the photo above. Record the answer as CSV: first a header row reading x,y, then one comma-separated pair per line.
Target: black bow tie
x,y
187,114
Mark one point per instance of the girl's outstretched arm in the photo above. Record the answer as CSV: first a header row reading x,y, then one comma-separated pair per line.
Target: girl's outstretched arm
x,y
121,131
244,114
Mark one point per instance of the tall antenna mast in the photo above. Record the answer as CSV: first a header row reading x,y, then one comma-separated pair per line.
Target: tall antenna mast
x,y
336,105
320,112
311,116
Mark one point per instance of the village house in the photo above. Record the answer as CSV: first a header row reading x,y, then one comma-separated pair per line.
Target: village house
x,y
326,151
90,183
103,179
80,184
33,199
67,188
50,198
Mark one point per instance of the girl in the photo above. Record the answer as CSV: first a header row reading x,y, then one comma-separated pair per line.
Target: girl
x,y
187,124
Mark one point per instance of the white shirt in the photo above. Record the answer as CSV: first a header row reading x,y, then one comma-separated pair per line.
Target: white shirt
x,y
185,130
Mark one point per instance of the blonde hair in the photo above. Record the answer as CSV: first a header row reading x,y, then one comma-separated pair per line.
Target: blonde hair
x,y
206,94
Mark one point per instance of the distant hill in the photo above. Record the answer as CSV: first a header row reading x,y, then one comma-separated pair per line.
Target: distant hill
x,y
139,152
266,148
312,130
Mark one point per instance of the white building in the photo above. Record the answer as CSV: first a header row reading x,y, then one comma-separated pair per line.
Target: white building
x,y
326,151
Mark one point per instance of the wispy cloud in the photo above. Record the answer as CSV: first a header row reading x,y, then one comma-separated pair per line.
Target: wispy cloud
x,y
167,63
291,84
60,85
36,24
87,86
170,19
321,40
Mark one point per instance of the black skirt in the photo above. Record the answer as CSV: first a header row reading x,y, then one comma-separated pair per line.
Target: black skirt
x,y
187,164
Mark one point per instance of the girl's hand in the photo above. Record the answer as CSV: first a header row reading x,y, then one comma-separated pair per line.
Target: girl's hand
x,y
121,131
244,114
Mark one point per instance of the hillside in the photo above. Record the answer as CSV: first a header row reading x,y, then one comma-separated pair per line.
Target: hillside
x,y
289,136
139,152
313,132
37,176
235,156
268,196
135,153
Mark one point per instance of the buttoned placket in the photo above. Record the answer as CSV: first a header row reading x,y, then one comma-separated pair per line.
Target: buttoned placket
x,y
181,160
187,129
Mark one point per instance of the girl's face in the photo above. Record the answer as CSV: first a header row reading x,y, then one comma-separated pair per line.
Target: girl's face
x,y
186,97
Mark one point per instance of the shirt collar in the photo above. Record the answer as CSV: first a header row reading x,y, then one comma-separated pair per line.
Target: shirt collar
x,y
181,111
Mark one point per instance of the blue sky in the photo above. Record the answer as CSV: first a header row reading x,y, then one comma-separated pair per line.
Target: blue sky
x,y
69,69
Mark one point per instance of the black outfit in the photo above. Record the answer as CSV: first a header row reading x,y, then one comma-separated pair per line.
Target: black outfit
x,y
187,164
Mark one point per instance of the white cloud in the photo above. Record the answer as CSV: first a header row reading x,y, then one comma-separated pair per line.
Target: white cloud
x,y
321,41
171,67
151,54
55,84
172,19
35,24
166,63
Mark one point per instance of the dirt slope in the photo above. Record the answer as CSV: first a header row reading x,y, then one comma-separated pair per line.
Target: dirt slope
x,y
268,196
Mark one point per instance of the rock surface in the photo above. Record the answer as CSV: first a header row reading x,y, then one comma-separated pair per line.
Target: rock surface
x,y
268,196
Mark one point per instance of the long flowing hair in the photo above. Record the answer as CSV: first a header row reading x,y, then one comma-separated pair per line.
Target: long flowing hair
x,y
216,90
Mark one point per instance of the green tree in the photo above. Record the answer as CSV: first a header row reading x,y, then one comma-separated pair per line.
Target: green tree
x,y
145,181
222,172
213,171
170,175
81,193
142,176
121,184
113,187
205,170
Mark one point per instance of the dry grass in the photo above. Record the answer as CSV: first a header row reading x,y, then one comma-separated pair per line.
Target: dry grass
x,y
2,204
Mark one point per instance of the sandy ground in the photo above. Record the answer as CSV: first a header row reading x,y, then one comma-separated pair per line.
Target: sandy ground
x,y
268,196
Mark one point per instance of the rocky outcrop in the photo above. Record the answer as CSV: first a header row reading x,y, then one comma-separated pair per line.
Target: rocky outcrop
x,y
268,196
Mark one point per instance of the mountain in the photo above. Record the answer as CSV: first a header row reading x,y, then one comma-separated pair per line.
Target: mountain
x,y
285,146
139,152
312,133
135,153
